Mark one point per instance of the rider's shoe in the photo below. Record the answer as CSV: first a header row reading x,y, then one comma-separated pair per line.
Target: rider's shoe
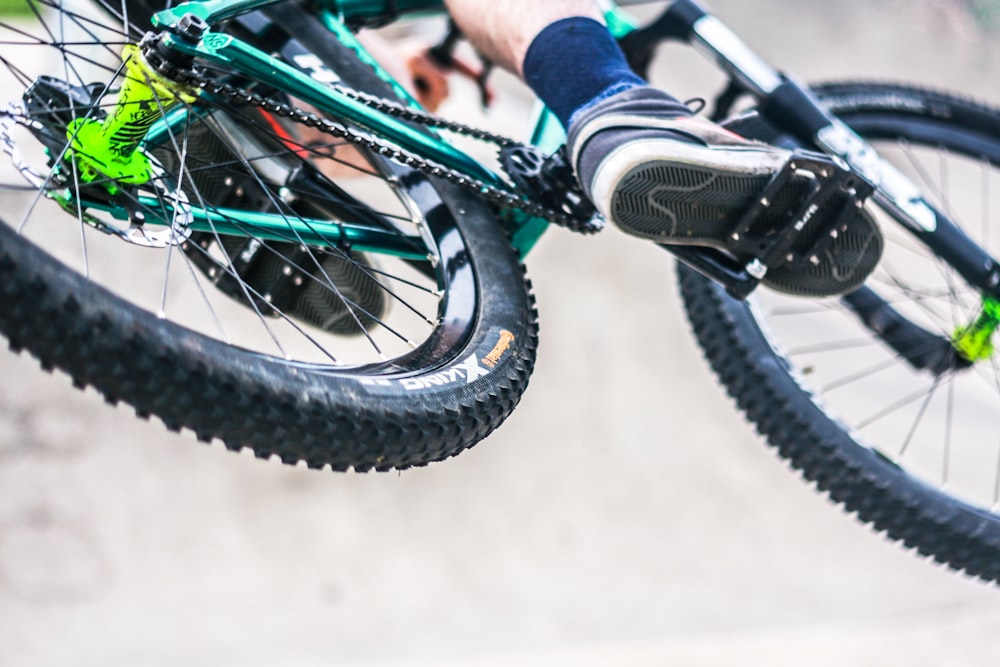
x,y
660,173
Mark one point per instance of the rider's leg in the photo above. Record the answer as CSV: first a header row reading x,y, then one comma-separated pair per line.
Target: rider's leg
x,y
559,47
642,158
502,30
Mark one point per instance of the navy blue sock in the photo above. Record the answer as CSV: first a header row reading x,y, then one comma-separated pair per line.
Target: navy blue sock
x,y
575,62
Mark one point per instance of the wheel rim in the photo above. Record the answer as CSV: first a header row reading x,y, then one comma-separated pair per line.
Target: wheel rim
x,y
365,312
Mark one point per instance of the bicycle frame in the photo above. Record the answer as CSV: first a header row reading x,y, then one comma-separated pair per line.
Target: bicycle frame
x,y
782,101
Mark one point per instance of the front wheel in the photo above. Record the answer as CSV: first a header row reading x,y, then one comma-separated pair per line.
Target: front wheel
x,y
883,412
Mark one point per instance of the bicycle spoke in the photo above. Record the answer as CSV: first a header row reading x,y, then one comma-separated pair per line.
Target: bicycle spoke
x,y
894,407
949,416
996,482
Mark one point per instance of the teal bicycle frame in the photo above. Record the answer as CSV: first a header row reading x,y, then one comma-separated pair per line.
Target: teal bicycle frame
x,y
225,50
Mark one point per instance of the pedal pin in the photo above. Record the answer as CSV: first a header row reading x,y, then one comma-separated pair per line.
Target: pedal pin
x,y
757,269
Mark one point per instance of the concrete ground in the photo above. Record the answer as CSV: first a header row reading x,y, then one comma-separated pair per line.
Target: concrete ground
x,y
625,515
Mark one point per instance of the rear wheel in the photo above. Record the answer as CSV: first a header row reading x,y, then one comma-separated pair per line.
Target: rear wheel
x,y
332,307
867,394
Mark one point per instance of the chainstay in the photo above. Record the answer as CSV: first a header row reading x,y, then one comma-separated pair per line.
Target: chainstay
x,y
491,193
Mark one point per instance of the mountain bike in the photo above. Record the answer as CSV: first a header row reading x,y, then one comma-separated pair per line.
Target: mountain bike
x,y
230,216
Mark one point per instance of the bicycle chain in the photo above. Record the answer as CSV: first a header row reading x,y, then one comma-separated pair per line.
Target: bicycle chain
x,y
491,193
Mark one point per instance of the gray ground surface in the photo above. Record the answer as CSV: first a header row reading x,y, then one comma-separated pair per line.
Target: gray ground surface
x,y
623,516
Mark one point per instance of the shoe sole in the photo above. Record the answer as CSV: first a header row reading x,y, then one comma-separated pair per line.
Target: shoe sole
x,y
697,196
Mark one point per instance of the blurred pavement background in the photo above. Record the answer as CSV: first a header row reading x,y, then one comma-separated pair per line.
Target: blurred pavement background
x,y
625,515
